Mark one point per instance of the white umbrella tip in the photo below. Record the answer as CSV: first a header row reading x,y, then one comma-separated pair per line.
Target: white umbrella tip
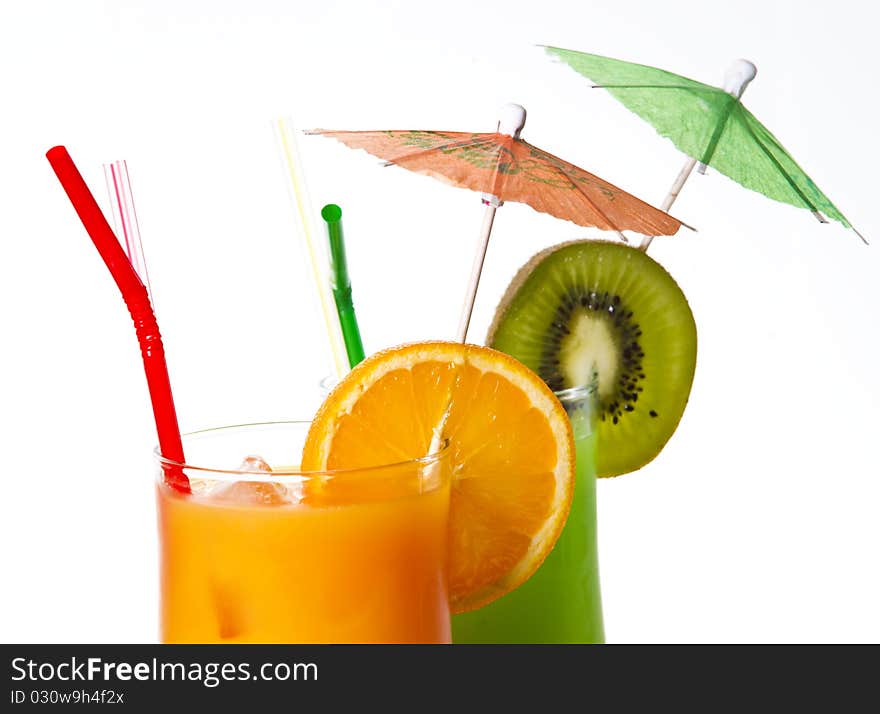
x,y
738,76
511,119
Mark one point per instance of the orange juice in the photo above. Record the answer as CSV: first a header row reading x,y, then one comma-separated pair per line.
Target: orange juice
x,y
341,560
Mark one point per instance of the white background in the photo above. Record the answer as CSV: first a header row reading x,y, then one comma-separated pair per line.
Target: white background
x,y
758,522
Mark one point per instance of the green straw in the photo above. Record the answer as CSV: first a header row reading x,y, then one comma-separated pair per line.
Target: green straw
x,y
341,284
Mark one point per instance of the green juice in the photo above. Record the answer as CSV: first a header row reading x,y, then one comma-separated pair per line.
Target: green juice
x,y
561,602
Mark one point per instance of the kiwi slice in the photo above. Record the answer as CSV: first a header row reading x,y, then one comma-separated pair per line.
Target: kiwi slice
x,y
599,308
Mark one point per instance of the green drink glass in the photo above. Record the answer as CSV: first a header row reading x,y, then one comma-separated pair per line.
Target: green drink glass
x,y
561,603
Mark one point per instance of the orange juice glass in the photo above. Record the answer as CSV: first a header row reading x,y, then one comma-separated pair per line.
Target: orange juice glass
x,y
353,556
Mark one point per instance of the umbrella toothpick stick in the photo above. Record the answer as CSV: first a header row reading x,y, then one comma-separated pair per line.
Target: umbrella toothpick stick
x,y
736,79
680,181
510,123
477,268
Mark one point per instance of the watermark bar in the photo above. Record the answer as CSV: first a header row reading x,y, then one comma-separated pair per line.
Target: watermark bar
x,y
323,677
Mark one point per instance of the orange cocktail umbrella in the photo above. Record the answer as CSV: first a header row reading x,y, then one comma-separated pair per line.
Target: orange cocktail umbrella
x,y
505,168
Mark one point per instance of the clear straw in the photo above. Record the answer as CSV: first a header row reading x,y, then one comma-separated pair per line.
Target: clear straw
x,y
315,252
125,221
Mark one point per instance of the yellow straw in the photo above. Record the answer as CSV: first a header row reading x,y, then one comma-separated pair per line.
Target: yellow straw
x,y
299,194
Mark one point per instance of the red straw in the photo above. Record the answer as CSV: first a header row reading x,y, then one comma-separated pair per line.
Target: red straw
x,y
138,302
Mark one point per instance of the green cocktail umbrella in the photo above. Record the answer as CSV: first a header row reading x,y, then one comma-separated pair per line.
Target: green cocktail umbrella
x,y
710,125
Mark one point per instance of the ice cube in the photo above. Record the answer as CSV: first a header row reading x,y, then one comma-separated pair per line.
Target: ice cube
x,y
254,463
253,493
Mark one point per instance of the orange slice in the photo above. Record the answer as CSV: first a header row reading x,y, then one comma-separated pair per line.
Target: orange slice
x,y
511,446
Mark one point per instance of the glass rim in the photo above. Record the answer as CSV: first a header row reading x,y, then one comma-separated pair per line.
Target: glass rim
x,y
286,475
580,392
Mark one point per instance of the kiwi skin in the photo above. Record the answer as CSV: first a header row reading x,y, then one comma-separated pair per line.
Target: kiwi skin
x,y
630,433
517,282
